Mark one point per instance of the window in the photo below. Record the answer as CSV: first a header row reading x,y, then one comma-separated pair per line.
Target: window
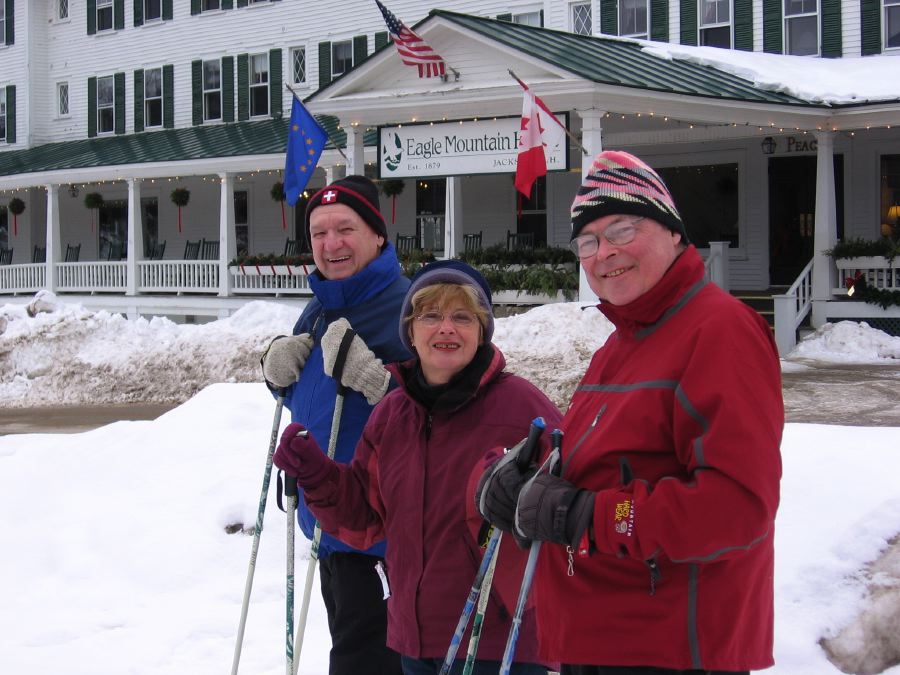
x,y
104,15
891,24
4,227
62,9
715,23
528,18
212,91
581,19
150,223
298,65
801,27
2,23
633,18
106,100
2,113
707,196
241,230
207,5
62,99
152,10
153,104
341,57
259,85
890,195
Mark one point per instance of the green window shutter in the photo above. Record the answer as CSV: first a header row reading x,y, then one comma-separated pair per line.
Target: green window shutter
x,y
242,3
91,17
609,17
92,107
119,14
11,113
228,89
832,46
504,17
167,10
870,27
324,63
772,42
195,7
119,81
659,20
138,12
243,87
689,22
227,4
381,39
10,36
360,49
542,18
275,81
169,97
138,101
743,25
196,93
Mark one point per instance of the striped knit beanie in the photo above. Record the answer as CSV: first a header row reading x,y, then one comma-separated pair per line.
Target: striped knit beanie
x,y
621,183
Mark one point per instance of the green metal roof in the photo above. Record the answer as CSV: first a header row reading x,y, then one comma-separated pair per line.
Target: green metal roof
x,y
238,139
617,62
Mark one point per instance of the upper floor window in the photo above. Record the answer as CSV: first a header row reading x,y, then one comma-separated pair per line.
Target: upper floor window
x,y
153,103
341,57
259,85
62,98
106,105
2,23
528,18
62,9
104,15
207,5
715,23
891,24
633,15
2,113
298,65
212,90
152,10
581,18
801,27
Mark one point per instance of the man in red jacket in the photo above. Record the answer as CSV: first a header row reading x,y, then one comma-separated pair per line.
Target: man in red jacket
x,y
661,523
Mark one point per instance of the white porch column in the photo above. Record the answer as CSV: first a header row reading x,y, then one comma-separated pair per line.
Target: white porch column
x,y
591,139
330,174
135,236
53,238
825,236
227,243
454,214
355,157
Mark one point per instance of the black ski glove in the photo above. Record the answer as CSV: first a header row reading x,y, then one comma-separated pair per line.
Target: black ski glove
x,y
498,490
552,509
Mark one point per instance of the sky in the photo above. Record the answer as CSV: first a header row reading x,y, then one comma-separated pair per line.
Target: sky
x,y
116,557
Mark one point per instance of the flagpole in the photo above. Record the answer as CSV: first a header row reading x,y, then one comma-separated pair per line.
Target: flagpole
x,y
568,133
330,137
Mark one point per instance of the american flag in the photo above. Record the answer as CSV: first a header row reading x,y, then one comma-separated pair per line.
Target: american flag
x,y
414,51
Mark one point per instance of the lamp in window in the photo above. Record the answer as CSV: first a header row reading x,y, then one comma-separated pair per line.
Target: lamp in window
x,y
889,228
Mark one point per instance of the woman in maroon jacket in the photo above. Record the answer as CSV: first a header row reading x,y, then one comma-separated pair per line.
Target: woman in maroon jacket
x,y
420,449
662,521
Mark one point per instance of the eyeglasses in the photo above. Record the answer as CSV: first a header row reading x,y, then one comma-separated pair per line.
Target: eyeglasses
x,y
619,233
461,318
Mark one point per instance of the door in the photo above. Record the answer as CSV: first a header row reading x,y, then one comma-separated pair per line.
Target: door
x,y
531,212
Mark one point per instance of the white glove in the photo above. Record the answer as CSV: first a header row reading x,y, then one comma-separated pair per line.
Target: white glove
x,y
363,371
284,359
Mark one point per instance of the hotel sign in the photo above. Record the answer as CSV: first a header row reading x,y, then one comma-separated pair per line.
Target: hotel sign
x,y
463,147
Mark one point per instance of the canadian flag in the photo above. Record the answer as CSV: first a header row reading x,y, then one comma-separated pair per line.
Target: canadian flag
x,y
532,161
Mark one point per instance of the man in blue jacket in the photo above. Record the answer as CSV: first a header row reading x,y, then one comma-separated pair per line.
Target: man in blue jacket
x,y
358,279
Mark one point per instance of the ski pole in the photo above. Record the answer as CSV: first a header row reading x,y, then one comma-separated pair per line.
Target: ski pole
x,y
337,374
483,597
290,491
553,462
248,586
522,459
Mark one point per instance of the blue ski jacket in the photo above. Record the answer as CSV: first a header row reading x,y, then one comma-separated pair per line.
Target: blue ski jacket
x,y
370,300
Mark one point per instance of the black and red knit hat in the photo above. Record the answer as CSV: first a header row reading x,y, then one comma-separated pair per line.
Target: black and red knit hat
x,y
619,182
357,192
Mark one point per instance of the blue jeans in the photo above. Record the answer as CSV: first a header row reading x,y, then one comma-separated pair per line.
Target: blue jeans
x,y
413,666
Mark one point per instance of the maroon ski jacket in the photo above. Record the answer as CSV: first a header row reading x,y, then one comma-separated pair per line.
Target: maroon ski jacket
x,y
677,426
408,482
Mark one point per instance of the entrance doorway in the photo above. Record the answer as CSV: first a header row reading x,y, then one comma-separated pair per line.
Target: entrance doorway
x,y
113,229
431,209
531,212
792,214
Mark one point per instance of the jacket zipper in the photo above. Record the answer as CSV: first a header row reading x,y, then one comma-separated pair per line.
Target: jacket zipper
x,y
655,574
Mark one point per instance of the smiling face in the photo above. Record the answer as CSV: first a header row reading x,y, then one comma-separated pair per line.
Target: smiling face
x,y
342,243
621,274
445,346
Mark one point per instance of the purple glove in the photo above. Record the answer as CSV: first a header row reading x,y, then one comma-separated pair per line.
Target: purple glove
x,y
299,455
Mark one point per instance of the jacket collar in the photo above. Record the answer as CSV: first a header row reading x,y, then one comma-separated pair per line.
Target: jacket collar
x,y
362,286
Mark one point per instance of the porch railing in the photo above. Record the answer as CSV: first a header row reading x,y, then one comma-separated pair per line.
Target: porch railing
x,y
178,276
270,280
879,272
28,278
98,276
791,308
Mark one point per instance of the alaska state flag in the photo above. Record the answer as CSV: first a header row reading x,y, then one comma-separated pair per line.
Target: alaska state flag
x,y
306,140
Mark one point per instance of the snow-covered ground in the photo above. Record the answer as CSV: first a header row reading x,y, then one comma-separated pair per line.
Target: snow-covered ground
x,y
115,553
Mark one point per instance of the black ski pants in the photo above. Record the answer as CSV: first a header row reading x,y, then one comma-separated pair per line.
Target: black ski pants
x,y
640,670
357,616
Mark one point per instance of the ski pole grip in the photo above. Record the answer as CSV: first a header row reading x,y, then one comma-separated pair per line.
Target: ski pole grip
x,y
290,486
341,359
526,454
556,437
